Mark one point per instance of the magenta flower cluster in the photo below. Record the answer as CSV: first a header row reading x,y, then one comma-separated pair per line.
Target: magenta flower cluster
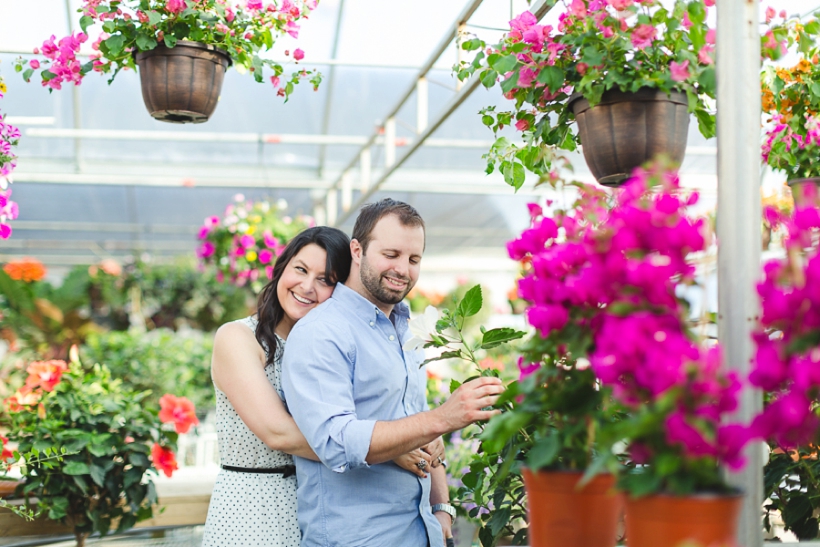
x,y
787,357
245,243
9,138
612,270
61,60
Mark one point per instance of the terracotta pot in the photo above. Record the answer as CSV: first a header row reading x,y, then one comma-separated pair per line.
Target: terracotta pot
x,y
625,130
674,521
560,515
182,84
7,487
798,186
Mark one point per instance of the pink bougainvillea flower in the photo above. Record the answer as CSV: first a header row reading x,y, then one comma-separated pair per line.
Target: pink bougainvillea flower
x,y
526,369
298,54
523,22
177,410
265,256
680,71
164,459
247,241
254,5
205,250
620,4
578,9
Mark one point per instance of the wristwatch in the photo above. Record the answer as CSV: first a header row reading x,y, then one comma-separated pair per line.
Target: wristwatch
x,y
447,508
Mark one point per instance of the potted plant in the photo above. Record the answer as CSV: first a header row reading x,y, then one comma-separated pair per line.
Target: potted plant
x,y
787,354
629,72
244,244
111,439
603,286
791,100
9,138
486,491
182,48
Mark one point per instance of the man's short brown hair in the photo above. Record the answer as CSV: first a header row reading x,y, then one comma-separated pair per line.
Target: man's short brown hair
x,y
372,213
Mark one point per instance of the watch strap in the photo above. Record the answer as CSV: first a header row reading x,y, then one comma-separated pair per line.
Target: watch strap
x,y
446,508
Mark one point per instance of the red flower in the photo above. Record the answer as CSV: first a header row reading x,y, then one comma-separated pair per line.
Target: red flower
x,y
179,411
7,454
163,459
45,374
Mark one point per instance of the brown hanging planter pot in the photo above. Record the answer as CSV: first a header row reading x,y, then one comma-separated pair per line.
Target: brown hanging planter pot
x,y
182,84
563,515
625,130
797,186
671,521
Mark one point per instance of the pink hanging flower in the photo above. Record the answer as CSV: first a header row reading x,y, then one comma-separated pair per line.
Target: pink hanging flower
x,y
680,71
298,54
643,35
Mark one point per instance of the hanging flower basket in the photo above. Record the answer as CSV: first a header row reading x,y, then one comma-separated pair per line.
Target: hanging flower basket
x,y
182,84
671,521
563,515
798,187
625,130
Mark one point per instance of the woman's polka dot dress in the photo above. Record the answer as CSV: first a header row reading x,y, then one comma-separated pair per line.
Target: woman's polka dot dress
x,y
251,509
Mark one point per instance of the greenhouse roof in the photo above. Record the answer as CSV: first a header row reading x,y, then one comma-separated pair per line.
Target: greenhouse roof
x,y
98,177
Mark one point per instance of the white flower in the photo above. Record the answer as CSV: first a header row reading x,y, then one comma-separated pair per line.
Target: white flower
x,y
422,328
281,204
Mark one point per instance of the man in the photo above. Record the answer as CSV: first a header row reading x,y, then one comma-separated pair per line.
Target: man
x,y
359,399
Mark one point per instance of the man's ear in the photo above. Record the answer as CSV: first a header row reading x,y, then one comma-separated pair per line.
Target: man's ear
x,y
356,251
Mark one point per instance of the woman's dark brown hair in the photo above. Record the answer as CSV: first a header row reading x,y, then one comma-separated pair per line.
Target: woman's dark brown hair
x,y
269,310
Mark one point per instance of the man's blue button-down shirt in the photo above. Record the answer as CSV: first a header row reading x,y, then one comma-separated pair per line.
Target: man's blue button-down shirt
x,y
343,370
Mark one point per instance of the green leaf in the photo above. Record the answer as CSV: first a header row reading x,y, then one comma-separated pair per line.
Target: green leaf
x,y
154,17
488,78
471,303
97,474
444,355
454,385
170,40
85,22
472,45
135,458
544,452
510,83
499,520
706,123
76,468
552,77
146,43
505,64
115,44
708,79
496,337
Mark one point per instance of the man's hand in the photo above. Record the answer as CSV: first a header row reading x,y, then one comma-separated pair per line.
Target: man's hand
x,y
466,404
436,451
410,460
446,525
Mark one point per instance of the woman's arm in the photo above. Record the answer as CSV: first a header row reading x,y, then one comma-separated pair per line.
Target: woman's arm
x,y
238,370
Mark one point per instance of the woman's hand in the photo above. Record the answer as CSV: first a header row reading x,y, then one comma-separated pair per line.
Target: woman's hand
x,y
410,461
436,451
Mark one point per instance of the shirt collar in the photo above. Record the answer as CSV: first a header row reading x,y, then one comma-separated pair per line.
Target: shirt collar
x,y
362,305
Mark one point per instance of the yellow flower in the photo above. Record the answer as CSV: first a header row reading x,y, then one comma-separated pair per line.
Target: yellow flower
x,y
250,256
250,230
255,218
3,87
803,66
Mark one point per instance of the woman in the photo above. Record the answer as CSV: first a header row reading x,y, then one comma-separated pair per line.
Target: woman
x,y
254,498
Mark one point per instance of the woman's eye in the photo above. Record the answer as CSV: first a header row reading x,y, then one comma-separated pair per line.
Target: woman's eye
x,y
301,269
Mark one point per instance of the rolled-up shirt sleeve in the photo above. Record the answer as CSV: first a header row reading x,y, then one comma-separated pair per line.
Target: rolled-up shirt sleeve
x,y
317,379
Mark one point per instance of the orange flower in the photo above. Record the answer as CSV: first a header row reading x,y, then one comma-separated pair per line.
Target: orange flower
x,y
25,269
22,399
490,363
177,410
45,374
163,459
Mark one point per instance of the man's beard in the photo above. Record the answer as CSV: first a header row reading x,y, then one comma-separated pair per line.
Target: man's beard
x,y
374,284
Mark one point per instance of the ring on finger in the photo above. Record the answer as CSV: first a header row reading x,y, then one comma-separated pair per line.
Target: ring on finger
x,y
440,461
422,465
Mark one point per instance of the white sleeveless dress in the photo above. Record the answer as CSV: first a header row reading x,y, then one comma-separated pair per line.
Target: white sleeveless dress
x,y
251,509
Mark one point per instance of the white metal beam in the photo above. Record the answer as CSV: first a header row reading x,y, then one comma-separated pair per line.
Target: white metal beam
x,y
738,227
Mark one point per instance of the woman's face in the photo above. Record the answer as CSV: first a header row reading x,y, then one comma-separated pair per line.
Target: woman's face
x,y
303,284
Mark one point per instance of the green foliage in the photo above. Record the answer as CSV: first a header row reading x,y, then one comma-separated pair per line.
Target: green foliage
x,y
491,492
103,432
791,485
160,361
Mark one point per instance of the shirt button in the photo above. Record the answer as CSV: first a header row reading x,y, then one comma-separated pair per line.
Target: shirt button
x,y
392,337
372,323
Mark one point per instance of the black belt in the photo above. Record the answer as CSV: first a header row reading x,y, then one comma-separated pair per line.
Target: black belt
x,y
286,470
